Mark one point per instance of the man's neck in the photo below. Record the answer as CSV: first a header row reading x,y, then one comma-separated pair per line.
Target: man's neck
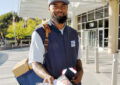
x,y
59,26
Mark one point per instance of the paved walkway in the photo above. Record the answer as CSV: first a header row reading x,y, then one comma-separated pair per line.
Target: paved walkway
x,y
105,69
9,58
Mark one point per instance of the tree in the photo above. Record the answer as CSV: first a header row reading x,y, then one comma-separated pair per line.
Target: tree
x,y
6,20
22,31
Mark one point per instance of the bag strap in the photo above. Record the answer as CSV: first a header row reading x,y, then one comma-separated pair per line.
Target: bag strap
x,y
47,32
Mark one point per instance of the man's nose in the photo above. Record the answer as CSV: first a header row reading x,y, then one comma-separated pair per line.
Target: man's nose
x,y
60,8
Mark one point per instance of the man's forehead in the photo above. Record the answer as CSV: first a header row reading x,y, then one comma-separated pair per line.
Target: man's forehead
x,y
58,2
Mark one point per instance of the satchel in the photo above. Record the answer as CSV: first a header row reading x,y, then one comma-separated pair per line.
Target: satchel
x,y
23,71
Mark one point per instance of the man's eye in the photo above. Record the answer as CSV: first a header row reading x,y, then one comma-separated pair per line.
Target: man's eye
x,y
54,6
64,5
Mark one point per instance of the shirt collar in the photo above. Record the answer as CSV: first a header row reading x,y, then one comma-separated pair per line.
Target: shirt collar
x,y
51,24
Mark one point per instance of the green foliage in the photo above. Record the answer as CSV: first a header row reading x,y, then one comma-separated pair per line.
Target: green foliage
x,y
6,26
22,31
6,20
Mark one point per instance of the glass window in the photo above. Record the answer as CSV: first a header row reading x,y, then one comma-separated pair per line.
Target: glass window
x,y
87,26
100,38
106,23
99,14
79,33
119,8
119,44
83,25
106,12
91,25
79,19
91,16
79,27
100,23
119,33
84,18
69,22
105,42
105,33
119,20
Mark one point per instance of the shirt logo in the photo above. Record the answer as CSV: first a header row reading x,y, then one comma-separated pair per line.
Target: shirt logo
x,y
73,43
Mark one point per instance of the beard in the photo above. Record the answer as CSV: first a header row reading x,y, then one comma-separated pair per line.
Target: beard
x,y
59,19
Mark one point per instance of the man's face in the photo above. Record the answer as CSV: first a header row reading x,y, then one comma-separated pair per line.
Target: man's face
x,y
58,12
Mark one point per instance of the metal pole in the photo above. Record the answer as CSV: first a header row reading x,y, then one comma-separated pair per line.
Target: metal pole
x,y
86,55
14,22
14,29
86,47
96,54
96,60
114,69
82,46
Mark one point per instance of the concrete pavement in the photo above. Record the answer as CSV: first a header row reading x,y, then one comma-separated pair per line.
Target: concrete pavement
x,y
104,76
9,58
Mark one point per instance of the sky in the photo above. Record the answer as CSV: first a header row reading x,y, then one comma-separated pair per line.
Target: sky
x,y
8,6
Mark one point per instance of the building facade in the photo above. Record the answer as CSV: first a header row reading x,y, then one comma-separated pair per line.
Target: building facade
x,y
93,27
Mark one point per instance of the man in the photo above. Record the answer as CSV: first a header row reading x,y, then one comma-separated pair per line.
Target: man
x,y
63,49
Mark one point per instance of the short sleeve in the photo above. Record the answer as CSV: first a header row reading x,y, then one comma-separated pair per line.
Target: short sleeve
x,y
37,50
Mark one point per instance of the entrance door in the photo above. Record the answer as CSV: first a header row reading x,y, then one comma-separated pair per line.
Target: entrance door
x,y
92,38
100,38
89,38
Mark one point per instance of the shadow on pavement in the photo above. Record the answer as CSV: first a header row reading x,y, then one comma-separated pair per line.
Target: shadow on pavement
x,y
3,58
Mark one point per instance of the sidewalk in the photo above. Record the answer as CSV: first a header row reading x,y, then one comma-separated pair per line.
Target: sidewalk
x,y
9,58
104,76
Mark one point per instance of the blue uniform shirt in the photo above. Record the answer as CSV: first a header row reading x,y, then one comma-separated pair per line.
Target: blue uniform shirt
x,y
62,49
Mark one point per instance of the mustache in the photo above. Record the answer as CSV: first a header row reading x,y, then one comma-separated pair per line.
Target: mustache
x,y
60,19
60,13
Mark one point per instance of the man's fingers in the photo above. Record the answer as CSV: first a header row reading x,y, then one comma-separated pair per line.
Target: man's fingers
x,y
75,81
49,81
52,79
44,81
73,78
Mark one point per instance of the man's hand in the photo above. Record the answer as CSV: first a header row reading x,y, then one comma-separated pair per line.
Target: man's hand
x,y
42,73
77,78
49,79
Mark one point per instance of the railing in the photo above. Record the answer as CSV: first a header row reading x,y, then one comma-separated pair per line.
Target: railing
x,y
14,44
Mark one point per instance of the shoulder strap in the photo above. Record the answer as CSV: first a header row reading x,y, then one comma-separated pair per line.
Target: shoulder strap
x,y
47,32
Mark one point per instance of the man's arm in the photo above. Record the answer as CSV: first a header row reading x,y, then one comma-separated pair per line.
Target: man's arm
x,y
78,77
79,68
36,59
41,72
